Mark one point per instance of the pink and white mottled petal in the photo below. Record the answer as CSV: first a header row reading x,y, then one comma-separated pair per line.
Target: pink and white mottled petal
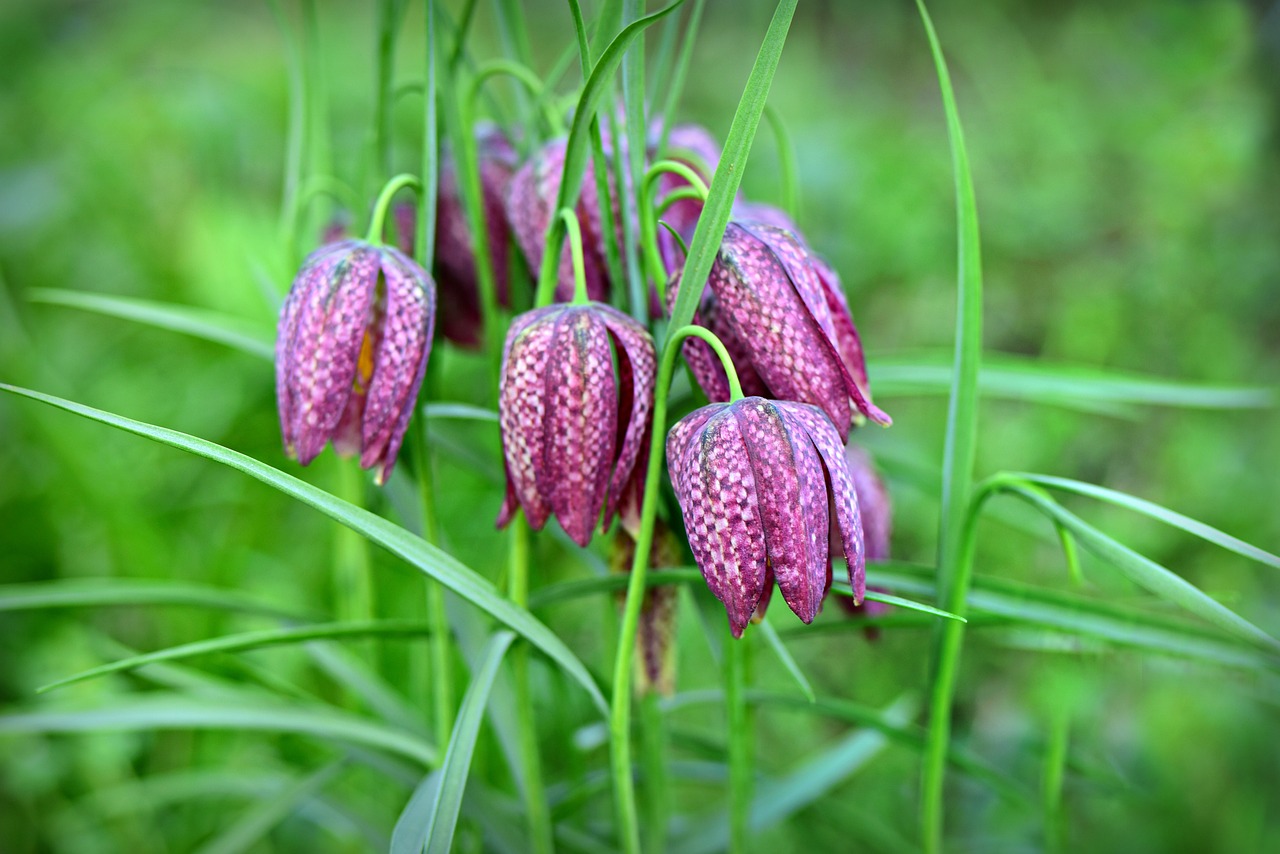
x,y
522,408
826,439
722,518
847,339
783,511
331,325
400,361
578,442
638,368
686,429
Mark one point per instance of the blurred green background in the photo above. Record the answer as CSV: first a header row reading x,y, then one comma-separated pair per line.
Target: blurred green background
x,y
1127,165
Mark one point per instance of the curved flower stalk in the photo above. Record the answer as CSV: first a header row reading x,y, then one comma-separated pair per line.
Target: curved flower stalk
x,y
461,318
789,331
530,206
693,146
571,433
755,479
352,346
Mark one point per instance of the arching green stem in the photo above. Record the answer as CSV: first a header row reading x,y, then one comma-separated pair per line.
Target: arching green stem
x,y
697,189
741,730
327,185
525,77
380,207
620,705
579,268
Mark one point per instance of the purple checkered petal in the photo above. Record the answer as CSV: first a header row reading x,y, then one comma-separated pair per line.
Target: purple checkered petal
x,y
793,507
847,341
637,374
331,323
704,363
756,212
713,481
404,346
523,409
581,427
826,439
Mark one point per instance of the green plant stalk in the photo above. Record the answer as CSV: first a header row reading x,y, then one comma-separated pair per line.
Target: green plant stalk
x,y
317,147
535,798
353,590
1055,763
663,59
575,252
956,525
786,162
387,25
740,734
430,171
379,217
460,35
681,71
633,168
656,270
620,704
657,800
295,137
515,42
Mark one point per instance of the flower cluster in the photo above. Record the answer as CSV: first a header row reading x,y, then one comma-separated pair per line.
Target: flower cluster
x,y
767,488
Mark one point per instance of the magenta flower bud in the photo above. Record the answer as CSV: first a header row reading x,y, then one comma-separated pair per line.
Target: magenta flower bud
x,y
461,319
531,198
352,346
754,479
776,306
571,433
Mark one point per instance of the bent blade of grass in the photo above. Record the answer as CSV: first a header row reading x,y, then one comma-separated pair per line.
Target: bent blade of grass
x,y
1146,573
251,640
1072,386
784,656
890,599
459,411
1155,511
445,806
413,549
179,712
128,592
243,335
564,591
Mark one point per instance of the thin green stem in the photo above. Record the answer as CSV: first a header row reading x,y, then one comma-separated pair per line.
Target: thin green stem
x,y
515,43
327,185
657,801
353,590
691,331
388,20
681,71
575,251
786,162
740,732
535,799
522,75
442,689
632,169
697,188
460,36
1055,762
295,137
383,203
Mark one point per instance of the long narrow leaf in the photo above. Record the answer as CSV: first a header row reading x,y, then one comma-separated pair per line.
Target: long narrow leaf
x,y
254,339
1155,511
252,640
457,759
400,542
788,661
184,713
124,592
258,821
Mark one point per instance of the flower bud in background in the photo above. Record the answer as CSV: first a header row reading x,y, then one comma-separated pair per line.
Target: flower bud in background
x,y
770,305
461,319
571,433
754,479
530,205
656,631
876,512
352,346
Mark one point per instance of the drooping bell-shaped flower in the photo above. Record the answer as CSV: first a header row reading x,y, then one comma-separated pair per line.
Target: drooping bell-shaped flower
x,y
461,320
571,433
779,313
530,205
352,345
755,479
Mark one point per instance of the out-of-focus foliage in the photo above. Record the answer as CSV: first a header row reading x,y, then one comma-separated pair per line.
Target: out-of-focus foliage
x,y
1127,165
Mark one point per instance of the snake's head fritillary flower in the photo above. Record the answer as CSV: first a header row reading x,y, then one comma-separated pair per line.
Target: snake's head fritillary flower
x,y
530,204
461,319
771,303
571,432
353,343
755,479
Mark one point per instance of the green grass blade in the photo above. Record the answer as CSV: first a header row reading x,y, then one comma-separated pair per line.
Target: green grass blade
x,y
246,336
784,656
459,411
1072,386
257,822
172,711
129,592
443,814
252,640
400,542
1155,511
410,833
566,591
728,175
890,599
1147,573
958,459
